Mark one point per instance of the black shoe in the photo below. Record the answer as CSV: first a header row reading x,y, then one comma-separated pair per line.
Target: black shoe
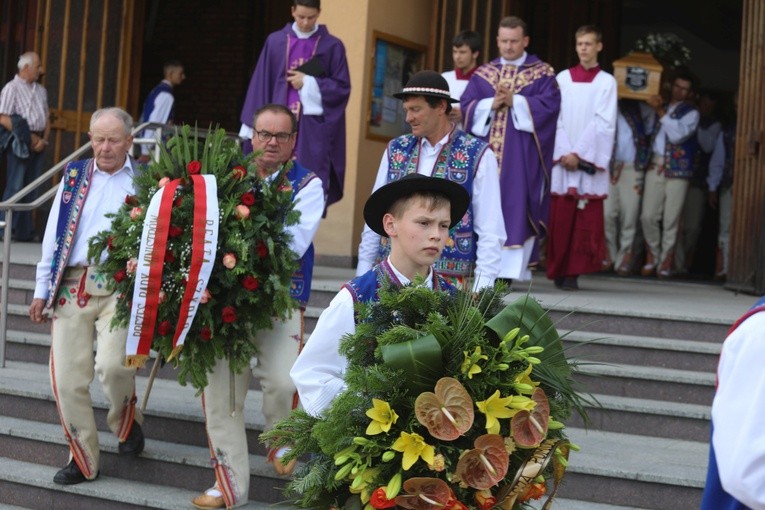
x,y
70,475
559,282
133,445
570,283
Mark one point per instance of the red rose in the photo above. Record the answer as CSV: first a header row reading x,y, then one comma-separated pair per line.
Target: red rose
x,y
120,275
228,314
250,283
169,257
109,244
205,333
178,201
175,231
378,499
248,198
194,167
164,328
262,249
239,172
131,200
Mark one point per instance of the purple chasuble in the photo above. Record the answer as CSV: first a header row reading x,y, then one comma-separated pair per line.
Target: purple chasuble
x,y
300,52
321,138
525,159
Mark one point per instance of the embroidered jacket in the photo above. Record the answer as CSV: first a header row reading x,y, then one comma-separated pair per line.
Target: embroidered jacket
x,y
299,176
680,158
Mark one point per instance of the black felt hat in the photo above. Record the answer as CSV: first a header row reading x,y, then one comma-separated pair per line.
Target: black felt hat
x,y
427,83
381,200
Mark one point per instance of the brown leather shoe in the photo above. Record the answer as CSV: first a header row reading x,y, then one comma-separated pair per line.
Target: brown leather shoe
x,y
207,502
282,469
648,270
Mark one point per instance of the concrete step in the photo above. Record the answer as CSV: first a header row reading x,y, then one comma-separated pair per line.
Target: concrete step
x,y
642,350
624,469
30,485
647,418
670,385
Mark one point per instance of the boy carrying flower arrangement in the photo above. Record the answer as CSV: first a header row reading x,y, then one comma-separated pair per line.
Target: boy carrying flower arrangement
x,y
418,395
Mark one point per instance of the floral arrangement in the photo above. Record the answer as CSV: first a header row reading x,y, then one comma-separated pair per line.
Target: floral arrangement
x,y
665,47
250,279
452,402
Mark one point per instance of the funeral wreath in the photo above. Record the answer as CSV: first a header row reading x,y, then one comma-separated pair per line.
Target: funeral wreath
x,y
452,401
199,256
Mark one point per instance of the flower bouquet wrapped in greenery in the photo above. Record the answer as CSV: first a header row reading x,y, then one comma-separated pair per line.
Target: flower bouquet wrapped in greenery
x,y
451,402
199,256
668,48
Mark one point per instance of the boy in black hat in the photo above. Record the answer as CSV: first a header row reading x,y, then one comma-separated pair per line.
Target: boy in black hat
x,y
438,148
415,213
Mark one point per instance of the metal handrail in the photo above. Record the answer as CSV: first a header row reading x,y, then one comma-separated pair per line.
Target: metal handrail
x,y
13,204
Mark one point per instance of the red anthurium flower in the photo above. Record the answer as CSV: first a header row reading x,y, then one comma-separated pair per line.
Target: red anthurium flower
x,y
378,499
194,167
239,172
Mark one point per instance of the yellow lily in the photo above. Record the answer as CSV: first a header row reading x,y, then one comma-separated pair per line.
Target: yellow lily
x,y
383,417
413,446
496,407
523,382
470,365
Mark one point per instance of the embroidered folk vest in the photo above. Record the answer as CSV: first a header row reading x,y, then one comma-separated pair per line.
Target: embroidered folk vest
x,y
680,158
300,289
457,162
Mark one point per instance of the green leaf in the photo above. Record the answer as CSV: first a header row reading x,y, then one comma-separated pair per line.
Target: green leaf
x,y
420,359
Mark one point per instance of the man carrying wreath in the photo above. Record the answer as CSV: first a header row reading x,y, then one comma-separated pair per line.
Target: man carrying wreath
x,y
274,136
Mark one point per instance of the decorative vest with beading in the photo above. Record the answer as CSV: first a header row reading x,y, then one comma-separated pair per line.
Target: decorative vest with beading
x,y
680,158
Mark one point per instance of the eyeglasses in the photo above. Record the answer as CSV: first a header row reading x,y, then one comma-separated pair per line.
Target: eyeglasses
x,y
265,136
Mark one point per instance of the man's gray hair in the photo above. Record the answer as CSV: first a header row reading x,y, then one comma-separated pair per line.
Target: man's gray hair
x,y
26,59
121,114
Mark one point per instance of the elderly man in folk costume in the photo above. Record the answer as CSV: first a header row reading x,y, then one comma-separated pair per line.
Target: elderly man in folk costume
x,y
513,102
303,67
275,132
81,303
438,148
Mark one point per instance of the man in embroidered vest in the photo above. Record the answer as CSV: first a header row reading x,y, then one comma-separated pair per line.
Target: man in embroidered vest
x,y
736,473
668,176
160,103
274,135
513,103
415,213
24,114
438,148
466,46
632,153
81,302
303,67
584,144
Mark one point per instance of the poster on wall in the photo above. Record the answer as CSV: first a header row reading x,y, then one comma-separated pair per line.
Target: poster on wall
x,y
394,61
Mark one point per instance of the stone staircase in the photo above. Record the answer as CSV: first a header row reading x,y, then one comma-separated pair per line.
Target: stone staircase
x,y
650,369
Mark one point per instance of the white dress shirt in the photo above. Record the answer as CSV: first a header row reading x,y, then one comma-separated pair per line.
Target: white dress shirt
x,y
318,372
488,222
106,195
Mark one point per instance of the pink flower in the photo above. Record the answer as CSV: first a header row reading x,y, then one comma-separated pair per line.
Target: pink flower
x,y
163,181
229,260
162,296
135,212
131,265
206,296
242,212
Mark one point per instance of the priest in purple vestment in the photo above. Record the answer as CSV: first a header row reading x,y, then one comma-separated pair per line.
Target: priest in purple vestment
x,y
304,68
513,103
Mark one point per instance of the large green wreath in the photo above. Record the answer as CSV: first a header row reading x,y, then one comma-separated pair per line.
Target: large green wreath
x,y
250,282
453,402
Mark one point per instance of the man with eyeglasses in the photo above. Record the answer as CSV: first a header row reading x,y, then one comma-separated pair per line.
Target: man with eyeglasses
x,y
668,176
274,135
